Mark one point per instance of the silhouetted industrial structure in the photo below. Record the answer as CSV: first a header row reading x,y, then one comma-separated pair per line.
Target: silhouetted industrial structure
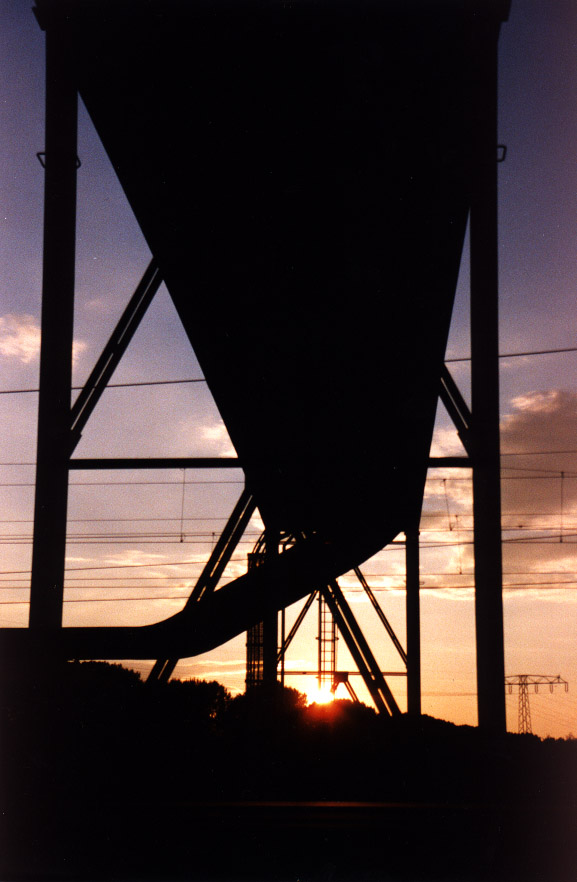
x,y
334,615
303,174
523,681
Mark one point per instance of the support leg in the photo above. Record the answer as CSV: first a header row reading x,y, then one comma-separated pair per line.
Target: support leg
x,y
413,623
53,448
270,622
485,393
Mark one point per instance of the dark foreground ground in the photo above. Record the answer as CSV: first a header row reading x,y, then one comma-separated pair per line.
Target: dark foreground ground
x,y
103,778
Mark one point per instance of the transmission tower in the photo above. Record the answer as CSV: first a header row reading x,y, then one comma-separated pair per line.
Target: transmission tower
x,y
523,681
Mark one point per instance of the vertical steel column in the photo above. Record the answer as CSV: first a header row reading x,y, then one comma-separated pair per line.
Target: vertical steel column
x,y
53,446
320,641
413,617
282,642
485,384
270,621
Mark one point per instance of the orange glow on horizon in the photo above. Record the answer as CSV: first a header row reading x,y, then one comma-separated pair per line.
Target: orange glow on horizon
x,y
320,694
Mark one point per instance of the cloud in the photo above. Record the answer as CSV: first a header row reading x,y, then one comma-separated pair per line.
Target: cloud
x,y
540,420
213,663
539,501
534,434
98,306
541,426
446,442
448,492
20,338
217,436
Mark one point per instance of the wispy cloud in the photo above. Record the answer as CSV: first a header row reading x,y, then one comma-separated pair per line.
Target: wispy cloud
x,y
217,435
215,663
539,504
98,306
538,428
532,414
20,338
540,424
446,442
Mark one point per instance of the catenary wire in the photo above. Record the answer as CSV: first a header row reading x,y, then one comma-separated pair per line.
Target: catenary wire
x,y
202,380
518,354
112,386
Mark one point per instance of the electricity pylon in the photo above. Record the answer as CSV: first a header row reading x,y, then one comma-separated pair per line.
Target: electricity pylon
x,y
523,681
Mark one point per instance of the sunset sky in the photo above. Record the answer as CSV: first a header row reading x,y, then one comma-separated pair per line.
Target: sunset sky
x,y
146,534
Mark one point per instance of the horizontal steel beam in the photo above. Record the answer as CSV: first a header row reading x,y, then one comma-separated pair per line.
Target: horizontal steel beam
x,y
290,673
174,462
450,462
218,462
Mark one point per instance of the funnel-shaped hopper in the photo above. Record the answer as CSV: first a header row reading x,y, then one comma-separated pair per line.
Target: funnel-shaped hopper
x,y
301,172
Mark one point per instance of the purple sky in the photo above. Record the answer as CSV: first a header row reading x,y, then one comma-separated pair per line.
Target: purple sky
x,y
538,252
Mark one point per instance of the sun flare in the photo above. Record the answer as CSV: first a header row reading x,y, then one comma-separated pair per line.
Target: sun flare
x,y
320,694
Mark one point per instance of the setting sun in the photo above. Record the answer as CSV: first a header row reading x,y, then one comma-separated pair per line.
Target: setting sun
x,y
320,694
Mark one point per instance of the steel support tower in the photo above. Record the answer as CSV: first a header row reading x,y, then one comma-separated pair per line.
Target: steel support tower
x,y
58,427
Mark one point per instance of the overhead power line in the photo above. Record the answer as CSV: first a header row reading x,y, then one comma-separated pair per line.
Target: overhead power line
x,y
184,597
536,452
98,600
202,380
112,386
242,558
519,354
202,537
554,475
